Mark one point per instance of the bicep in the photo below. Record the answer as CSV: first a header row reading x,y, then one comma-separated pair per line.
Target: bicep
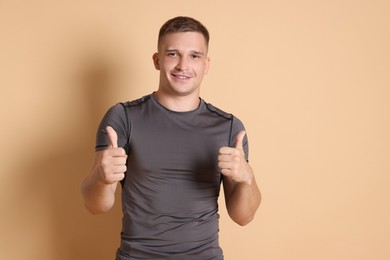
x,y
117,118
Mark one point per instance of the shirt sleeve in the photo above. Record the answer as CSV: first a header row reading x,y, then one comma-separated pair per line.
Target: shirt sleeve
x,y
116,118
237,127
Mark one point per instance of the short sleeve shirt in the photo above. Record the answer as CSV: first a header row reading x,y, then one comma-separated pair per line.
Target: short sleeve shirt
x,y
171,187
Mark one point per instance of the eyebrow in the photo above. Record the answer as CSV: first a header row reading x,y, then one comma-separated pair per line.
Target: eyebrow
x,y
176,50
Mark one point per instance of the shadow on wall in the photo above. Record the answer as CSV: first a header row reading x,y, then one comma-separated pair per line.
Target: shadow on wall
x,y
53,210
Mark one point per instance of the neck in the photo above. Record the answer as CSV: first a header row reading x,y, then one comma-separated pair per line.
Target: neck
x,y
178,103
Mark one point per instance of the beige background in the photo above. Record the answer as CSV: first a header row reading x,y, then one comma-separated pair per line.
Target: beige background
x,y
310,80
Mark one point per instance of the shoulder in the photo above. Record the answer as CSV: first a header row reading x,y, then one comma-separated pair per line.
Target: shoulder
x,y
217,111
136,102
223,114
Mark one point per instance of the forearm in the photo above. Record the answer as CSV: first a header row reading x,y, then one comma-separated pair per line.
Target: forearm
x,y
243,201
98,196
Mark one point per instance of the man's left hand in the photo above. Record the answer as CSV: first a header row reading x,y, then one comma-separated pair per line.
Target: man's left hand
x,y
232,162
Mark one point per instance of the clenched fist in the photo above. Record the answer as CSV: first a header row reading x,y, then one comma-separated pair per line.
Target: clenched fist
x,y
232,162
113,161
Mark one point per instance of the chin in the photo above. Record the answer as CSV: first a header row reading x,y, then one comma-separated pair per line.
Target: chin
x,y
181,88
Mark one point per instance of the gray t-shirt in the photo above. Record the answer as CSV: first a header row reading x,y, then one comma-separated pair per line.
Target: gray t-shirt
x,y
172,183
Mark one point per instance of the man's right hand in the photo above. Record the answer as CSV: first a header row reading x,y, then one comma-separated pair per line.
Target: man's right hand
x,y
113,161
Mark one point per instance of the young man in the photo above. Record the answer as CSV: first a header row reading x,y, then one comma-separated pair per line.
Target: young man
x,y
170,150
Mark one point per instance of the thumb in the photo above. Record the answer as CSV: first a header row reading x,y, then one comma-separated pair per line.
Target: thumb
x,y
112,137
240,139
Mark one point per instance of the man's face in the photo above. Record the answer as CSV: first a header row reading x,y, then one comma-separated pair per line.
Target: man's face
x,y
182,61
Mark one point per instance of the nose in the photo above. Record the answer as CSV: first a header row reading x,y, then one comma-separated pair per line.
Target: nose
x,y
182,63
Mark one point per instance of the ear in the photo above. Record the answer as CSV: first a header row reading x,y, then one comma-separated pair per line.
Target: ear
x,y
156,61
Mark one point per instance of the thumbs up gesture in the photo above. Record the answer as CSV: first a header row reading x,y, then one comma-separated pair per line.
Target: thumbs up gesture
x,y
113,161
232,162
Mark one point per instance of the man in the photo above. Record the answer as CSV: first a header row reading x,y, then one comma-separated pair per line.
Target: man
x,y
170,150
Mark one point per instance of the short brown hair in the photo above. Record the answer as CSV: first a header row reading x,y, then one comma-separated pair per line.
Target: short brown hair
x,y
183,24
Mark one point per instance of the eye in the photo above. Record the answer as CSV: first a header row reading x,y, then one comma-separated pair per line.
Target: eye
x,y
172,54
195,56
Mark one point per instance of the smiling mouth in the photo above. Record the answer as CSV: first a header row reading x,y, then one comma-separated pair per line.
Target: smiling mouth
x,y
180,76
